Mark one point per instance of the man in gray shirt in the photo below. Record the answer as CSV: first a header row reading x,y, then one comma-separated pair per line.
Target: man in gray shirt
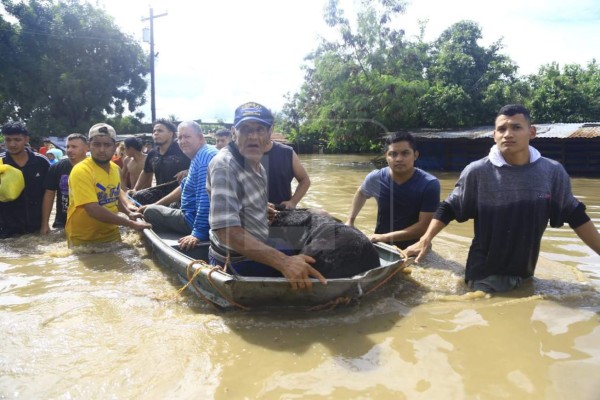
x,y
511,194
237,183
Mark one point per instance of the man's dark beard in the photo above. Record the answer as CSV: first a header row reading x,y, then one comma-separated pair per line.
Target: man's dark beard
x,y
101,162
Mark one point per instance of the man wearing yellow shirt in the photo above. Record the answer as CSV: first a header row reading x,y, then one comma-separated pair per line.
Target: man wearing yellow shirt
x,y
95,194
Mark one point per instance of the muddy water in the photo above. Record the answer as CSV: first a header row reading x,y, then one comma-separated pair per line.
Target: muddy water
x,y
109,323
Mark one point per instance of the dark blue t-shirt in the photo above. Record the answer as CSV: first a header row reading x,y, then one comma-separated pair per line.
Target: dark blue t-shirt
x,y
58,181
280,172
398,206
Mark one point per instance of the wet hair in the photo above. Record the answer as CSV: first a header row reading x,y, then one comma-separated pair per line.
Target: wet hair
x,y
223,133
193,125
80,136
15,128
168,124
134,142
513,109
401,136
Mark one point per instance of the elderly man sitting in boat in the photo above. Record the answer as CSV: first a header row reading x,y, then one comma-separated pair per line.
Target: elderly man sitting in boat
x,y
237,182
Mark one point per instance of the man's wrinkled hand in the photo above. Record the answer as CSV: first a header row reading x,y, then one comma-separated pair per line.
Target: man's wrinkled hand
x,y
188,242
271,212
298,271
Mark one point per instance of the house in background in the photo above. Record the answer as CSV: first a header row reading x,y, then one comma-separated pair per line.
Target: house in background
x,y
575,145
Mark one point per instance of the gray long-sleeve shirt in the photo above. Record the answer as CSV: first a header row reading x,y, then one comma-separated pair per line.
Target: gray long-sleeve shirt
x,y
511,206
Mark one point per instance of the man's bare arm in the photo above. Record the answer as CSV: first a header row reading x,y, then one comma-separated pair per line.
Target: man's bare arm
x,y
358,202
102,214
47,203
303,182
590,236
414,231
144,181
421,248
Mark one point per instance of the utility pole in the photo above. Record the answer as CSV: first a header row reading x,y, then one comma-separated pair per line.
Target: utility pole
x,y
152,85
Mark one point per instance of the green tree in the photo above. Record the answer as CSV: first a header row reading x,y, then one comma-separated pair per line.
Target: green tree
x,y
127,124
468,82
361,84
70,66
372,80
570,94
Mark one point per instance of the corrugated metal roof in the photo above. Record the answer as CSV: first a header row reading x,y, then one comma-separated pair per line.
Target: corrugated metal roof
x,y
587,132
559,131
474,133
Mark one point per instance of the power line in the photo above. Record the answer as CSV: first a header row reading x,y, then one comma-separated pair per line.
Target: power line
x,y
59,36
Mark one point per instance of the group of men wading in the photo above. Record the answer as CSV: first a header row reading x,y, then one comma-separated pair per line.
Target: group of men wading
x,y
227,195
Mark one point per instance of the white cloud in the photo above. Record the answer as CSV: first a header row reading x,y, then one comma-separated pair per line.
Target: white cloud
x,y
215,55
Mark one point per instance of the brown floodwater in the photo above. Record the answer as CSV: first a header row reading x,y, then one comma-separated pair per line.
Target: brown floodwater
x,y
109,323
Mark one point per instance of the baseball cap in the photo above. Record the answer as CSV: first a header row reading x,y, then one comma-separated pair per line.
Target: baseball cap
x,y
253,112
102,129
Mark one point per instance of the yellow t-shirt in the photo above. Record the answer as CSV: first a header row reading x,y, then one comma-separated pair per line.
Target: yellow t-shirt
x,y
89,183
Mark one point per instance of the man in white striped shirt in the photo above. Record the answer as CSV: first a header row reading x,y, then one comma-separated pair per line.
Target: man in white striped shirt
x,y
237,183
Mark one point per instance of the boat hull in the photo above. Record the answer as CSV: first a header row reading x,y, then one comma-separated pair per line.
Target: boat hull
x,y
228,291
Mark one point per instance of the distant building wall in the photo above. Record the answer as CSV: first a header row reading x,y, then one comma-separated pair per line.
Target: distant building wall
x,y
579,156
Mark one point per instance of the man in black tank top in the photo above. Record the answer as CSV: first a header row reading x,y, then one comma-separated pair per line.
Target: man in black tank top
x,y
282,165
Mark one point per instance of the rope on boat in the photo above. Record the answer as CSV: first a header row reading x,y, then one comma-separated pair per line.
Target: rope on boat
x,y
231,301
391,275
192,276
191,281
330,305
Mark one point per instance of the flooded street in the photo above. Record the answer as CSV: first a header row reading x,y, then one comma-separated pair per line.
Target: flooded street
x,y
110,323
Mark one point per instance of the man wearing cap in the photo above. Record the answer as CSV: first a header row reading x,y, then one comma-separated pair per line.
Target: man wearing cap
x,y
22,215
237,183
95,195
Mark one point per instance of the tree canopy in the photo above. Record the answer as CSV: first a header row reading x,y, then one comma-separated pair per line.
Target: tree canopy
x,y
371,79
568,95
66,65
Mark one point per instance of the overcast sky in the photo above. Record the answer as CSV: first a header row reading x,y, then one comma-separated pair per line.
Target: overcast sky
x,y
215,55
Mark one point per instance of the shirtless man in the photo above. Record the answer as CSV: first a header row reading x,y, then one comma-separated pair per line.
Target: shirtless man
x,y
133,165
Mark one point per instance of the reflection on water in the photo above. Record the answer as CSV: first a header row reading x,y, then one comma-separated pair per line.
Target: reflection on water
x,y
107,322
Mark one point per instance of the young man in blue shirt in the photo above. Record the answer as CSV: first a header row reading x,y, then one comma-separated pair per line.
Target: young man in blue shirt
x,y
406,196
